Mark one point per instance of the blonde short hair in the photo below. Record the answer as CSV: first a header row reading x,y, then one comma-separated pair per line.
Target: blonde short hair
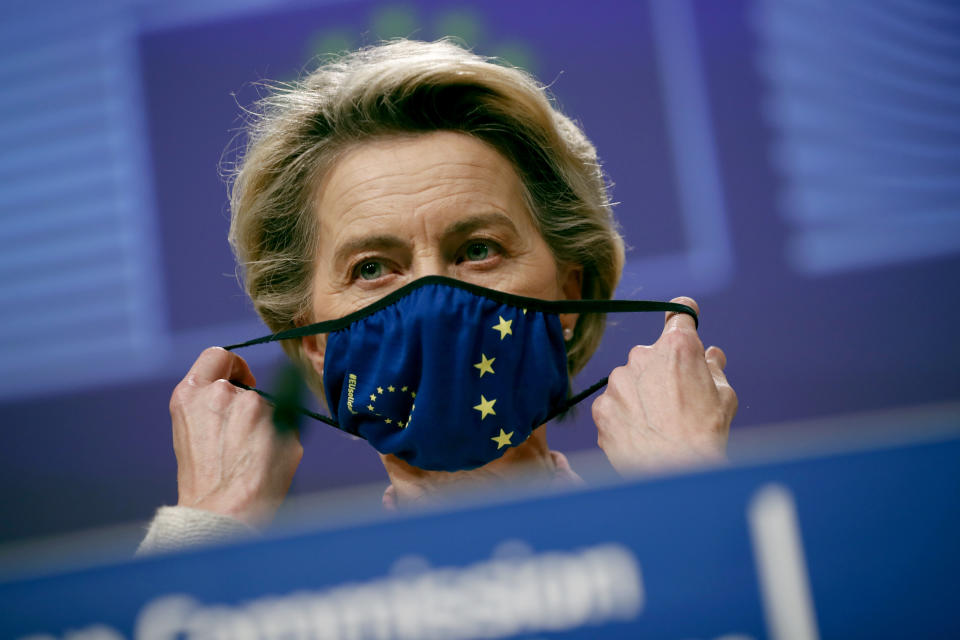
x,y
406,87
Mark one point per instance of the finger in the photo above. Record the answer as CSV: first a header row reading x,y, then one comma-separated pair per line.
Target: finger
x,y
717,356
728,397
248,409
240,371
216,363
220,395
715,366
677,320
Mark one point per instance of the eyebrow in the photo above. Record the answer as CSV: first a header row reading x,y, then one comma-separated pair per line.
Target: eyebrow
x,y
366,243
472,223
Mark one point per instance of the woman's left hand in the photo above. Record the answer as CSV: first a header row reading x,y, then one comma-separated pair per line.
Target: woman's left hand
x,y
670,405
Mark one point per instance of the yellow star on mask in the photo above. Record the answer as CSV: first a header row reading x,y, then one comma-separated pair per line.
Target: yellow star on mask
x,y
373,397
391,389
503,439
485,407
503,327
379,389
485,365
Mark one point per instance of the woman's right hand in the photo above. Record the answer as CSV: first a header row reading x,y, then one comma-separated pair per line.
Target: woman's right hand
x,y
230,458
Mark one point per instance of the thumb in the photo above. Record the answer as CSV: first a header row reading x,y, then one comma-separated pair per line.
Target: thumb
x,y
678,320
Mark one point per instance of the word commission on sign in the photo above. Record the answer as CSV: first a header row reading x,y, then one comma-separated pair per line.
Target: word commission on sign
x,y
496,598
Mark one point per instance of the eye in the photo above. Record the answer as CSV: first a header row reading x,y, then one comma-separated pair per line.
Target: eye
x,y
478,251
370,270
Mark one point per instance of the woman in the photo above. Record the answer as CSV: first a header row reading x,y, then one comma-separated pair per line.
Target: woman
x,y
388,165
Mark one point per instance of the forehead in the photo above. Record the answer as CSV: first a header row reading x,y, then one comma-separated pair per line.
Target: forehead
x,y
415,179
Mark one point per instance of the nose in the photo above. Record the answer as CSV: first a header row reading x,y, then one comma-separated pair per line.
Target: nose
x,y
430,264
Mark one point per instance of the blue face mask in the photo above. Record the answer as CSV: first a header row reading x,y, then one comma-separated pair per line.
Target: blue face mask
x,y
447,375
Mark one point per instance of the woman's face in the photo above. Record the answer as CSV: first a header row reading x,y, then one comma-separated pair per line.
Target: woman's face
x,y
442,203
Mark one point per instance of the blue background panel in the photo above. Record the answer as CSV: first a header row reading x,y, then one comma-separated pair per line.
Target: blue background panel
x,y
763,161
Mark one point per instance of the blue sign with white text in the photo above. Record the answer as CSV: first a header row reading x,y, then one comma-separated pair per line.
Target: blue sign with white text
x,y
854,545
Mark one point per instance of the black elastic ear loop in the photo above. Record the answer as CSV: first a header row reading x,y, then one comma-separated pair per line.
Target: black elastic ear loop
x,y
551,306
547,306
575,399
301,410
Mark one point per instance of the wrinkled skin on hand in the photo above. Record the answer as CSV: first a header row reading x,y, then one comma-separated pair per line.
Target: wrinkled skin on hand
x,y
669,406
230,458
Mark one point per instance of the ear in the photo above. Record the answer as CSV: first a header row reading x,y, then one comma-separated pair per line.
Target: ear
x,y
571,284
314,348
